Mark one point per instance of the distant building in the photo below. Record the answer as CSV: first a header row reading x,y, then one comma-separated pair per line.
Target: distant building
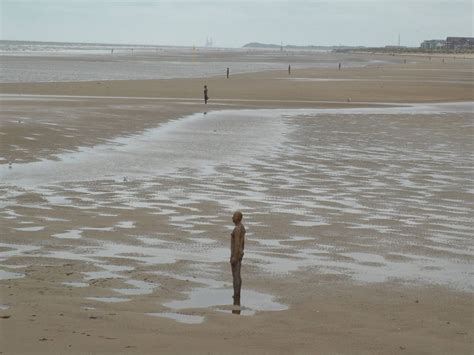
x,y
459,42
433,44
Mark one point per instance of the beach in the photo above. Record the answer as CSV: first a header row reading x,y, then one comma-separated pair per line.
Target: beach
x,y
355,185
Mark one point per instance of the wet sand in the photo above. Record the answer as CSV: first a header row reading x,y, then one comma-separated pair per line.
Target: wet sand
x,y
117,213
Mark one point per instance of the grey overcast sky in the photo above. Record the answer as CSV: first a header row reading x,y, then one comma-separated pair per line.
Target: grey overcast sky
x,y
234,23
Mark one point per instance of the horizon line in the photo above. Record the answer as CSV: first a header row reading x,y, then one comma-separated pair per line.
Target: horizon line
x,y
196,46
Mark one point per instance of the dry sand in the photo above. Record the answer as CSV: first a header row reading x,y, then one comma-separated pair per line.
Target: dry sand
x,y
167,234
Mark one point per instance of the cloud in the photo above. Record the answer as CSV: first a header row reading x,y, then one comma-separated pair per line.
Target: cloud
x,y
233,23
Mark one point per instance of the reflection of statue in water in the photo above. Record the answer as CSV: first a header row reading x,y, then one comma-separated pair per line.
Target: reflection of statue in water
x,y
237,242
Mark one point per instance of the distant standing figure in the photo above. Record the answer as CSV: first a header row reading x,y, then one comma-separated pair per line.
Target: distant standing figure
x,y
228,72
237,243
206,97
339,66
289,69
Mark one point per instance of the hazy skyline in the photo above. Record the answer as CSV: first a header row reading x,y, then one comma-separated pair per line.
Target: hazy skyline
x,y
234,23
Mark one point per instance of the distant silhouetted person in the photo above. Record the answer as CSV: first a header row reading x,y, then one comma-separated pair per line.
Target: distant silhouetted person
x,y
228,72
206,97
289,69
339,66
237,243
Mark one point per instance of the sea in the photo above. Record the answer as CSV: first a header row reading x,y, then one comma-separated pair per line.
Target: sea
x,y
22,61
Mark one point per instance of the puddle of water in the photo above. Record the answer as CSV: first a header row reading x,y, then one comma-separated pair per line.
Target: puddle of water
x,y
52,219
14,266
135,154
238,310
365,257
179,317
99,229
30,229
4,307
218,295
162,254
109,272
319,79
57,200
76,284
209,297
109,299
11,214
309,223
125,224
140,288
70,234
8,275
203,240
276,243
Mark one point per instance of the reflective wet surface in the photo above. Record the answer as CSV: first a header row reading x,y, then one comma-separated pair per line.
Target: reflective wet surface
x,y
69,63
215,294
371,195
108,299
179,317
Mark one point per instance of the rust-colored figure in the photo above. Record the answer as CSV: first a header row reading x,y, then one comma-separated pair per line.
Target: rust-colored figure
x,y
237,242
206,97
